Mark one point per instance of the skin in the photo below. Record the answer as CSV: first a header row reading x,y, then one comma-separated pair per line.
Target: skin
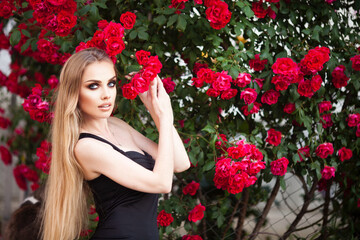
x,y
96,158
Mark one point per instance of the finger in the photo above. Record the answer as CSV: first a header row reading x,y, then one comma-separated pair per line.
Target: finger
x,y
153,89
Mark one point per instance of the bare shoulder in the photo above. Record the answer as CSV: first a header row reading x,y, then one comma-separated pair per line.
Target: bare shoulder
x,y
89,153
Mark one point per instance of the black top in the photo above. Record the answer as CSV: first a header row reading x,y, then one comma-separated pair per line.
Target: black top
x,y
124,213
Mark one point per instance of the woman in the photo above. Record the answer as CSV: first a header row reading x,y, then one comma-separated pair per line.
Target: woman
x,y
123,169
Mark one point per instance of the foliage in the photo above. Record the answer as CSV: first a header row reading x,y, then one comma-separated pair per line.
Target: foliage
x,y
288,34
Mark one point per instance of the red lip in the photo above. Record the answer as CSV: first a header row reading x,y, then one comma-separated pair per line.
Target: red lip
x,y
105,104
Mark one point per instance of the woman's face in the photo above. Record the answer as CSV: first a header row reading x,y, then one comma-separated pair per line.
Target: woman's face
x,y
98,90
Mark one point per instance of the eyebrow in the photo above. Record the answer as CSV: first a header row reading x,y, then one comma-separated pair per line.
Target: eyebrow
x,y
94,80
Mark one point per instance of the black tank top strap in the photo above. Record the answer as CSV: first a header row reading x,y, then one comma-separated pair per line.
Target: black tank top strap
x,y
90,135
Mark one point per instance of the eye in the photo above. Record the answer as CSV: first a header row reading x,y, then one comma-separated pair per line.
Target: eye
x,y
112,84
93,86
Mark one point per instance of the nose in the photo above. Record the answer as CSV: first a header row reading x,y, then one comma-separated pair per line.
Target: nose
x,y
105,94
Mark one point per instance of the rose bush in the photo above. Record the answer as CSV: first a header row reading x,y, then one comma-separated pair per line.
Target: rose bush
x,y
260,89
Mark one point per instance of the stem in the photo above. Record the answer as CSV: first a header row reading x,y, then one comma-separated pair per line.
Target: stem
x,y
203,221
307,200
245,200
266,209
231,218
325,233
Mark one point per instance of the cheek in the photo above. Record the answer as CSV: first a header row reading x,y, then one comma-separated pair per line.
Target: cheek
x,y
85,101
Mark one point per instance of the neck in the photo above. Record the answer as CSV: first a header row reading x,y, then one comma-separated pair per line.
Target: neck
x,y
96,126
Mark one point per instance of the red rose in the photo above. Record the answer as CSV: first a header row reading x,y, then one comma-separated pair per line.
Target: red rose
x,y
148,74
140,83
197,213
236,152
228,94
222,81
281,82
102,24
355,62
177,4
206,75
258,9
191,188
243,79
5,155
258,64
197,82
304,88
142,57
316,82
237,182
198,66
270,97
4,122
4,42
324,150
114,30
128,20
326,121
285,66
279,166
339,78
315,59
303,152
218,14
164,219
274,137
249,95
344,154
255,109
6,9
19,177
66,22
328,172
169,85
129,91
211,92
114,46
324,106
289,108
154,64
353,119
191,237
259,82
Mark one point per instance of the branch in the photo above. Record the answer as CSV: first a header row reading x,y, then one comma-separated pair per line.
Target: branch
x,y
231,218
203,222
324,233
307,201
302,180
245,200
266,210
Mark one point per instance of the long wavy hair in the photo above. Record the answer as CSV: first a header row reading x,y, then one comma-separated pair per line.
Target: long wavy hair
x,y
65,207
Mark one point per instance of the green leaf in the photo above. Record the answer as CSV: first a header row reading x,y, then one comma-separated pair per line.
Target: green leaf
x,y
181,23
28,14
248,12
15,37
220,220
209,165
172,20
282,183
26,45
101,4
133,34
209,128
160,20
143,35
315,33
84,10
309,14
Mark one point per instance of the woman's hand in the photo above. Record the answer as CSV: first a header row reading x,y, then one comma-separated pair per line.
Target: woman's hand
x,y
157,101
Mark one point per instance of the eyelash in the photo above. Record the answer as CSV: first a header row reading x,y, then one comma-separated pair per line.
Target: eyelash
x,y
94,86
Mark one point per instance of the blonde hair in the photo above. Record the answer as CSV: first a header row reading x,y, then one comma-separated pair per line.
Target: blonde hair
x,y
64,210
